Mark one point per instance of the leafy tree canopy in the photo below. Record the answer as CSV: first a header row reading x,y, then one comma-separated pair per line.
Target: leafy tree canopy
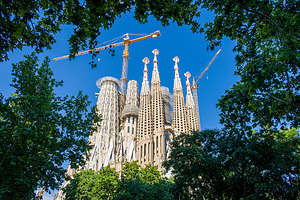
x,y
138,190
39,131
267,46
214,164
34,23
136,183
143,183
147,174
88,184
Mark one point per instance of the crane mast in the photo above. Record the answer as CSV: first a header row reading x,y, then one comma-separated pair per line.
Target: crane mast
x,y
196,85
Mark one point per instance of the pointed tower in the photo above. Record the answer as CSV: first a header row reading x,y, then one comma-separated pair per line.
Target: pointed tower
x,y
195,88
179,110
104,139
145,128
130,117
190,106
158,116
166,105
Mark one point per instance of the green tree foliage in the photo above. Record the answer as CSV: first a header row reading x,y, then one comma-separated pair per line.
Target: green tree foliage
x,y
214,164
143,183
135,183
138,190
88,184
267,37
147,174
39,131
34,22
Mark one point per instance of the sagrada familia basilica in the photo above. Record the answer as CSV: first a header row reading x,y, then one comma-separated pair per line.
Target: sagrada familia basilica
x,y
141,127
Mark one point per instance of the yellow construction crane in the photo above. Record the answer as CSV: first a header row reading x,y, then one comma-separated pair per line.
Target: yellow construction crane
x,y
196,84
126,42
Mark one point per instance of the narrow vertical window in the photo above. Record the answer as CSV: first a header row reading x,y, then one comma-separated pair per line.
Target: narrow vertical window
x,y
153,147
148,148
160,148
141,152
156,144
128,129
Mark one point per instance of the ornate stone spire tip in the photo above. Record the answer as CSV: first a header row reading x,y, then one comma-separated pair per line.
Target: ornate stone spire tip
x,y
146,60
155,52
176,60
187,75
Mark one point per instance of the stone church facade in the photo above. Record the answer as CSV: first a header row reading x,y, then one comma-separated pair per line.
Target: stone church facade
x,y
142,128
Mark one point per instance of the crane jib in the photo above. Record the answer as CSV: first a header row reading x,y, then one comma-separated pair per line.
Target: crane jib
x,y
195,84
152,35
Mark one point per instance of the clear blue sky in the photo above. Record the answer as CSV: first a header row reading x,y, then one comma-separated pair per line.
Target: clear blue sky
x,y
174,41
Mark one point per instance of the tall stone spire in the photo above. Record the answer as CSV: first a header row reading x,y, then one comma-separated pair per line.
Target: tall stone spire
x,y
189,96
145,127
145,85
179,110
158,115
104,139
130,120
195,95
155,74
190,106
166,105
177,81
